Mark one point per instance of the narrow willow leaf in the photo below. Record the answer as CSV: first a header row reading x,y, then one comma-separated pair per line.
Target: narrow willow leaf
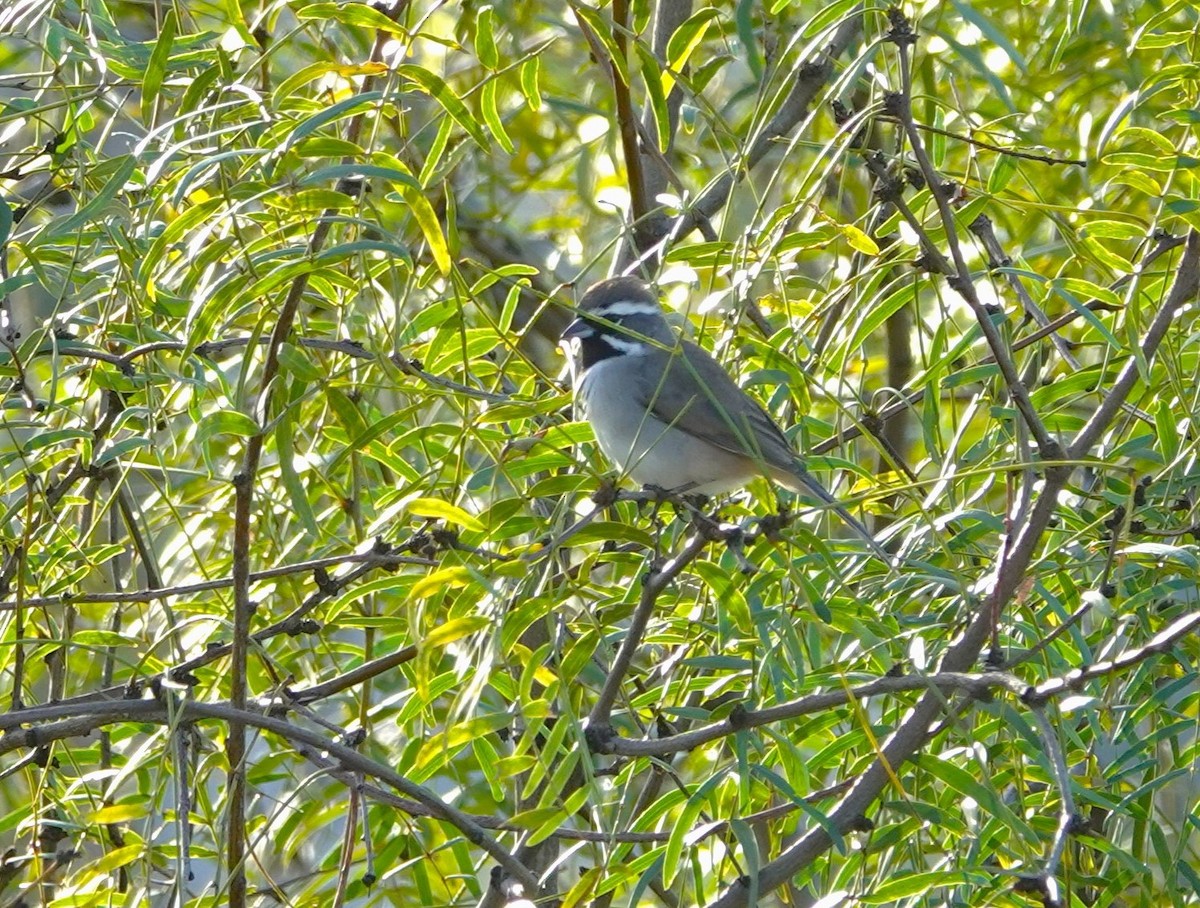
x,y
904,886
431,228
603,31
1002,172
491,115
125,168
297,494
859,240
437,88
485,38
743,17
455,629
529,84
226,422
344,108
360,14
684,828
441,580
157,67
444,510
683,44
657,97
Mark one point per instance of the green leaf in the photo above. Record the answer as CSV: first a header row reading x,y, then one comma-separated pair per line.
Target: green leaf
x,y
226,422
684,827
491,115
1167,431
157,67
875,318
657,97
442,580
126,165
116,450
344,108
905,886
114,859
529,84
437,88
743,18
437,509
1115,230
297,494
1002,172
455,629
427,219
361,15
1160,552
603,32
683,44
485,38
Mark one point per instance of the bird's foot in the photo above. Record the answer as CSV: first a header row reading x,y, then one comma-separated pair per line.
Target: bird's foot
x,y
606,495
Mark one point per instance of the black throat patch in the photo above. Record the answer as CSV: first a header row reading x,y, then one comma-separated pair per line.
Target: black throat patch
x,y
595,348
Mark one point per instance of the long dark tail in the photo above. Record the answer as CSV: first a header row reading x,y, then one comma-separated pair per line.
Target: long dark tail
x,y
814,488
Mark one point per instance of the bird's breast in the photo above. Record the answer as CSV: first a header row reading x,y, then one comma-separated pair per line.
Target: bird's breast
x,y
647,449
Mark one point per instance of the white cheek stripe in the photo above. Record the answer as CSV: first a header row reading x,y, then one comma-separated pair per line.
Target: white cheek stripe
x,y
626,347
628,307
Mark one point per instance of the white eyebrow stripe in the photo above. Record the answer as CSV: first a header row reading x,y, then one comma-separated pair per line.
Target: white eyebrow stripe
x,y
627,347
628,307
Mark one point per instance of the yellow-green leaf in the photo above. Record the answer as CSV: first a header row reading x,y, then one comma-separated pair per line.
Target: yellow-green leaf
x,y
685,40
115,859
441,580
485,38
455,629
117,813
444,510
156,69
859,240
431,228
437,88
491,115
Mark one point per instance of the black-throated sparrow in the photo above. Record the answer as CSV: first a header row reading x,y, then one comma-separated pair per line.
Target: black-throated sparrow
x,y
666,413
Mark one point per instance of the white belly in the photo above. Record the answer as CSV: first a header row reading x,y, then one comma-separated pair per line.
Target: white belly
x,y
647,450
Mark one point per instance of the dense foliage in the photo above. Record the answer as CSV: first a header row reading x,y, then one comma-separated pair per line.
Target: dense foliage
x,y
315,593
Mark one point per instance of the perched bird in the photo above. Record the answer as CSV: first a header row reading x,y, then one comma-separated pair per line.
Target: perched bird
x,y
666,413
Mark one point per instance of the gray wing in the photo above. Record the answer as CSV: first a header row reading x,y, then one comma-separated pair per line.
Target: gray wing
x,y
697,396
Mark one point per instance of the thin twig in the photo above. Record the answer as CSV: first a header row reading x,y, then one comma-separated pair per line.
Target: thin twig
x,y
1160,643
243,608
975,685
999,149
295,622
811,77
377,558
652,587
1163,245
960,276
348,757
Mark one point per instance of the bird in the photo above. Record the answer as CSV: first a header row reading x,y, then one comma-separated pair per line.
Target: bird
x,y
666,413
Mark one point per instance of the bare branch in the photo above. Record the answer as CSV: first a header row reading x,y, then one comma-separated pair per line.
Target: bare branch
x,y
811,77
189,710
652,587
1185,287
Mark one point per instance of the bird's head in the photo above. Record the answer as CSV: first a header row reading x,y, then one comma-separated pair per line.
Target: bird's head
x,y
620,316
